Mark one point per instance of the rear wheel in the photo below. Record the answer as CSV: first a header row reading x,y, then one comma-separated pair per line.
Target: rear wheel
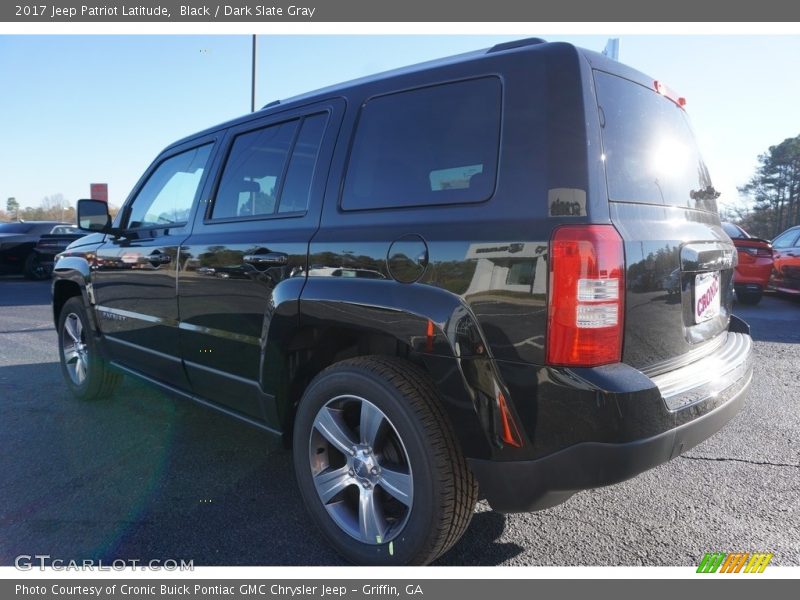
x,y
85,372
34,269
378,465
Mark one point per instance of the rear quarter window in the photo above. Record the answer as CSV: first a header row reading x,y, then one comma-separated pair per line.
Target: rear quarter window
x,y
432,145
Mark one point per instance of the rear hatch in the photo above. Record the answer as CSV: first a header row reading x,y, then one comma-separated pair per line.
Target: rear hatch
x,y
679,262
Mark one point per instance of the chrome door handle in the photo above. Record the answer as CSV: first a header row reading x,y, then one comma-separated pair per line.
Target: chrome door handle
x,y
157,258
269,259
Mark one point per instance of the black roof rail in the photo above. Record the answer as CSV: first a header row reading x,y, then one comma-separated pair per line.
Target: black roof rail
x,y
269,104
516,44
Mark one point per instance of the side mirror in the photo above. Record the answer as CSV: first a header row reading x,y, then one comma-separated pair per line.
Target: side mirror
x,y
93,216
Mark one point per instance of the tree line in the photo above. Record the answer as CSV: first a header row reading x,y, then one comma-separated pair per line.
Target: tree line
x,y
773,191
51,208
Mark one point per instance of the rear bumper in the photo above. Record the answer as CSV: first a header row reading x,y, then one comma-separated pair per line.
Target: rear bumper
x,y
754,273
695,402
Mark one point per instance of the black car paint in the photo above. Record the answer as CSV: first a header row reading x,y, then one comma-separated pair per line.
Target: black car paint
x,y
340,278
15,247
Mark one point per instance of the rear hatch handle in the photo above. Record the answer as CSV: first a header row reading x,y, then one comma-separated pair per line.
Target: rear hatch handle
x,y
700,257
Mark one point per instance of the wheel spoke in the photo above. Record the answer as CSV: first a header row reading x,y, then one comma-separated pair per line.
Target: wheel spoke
x,y
70,355
80,370
397,484
371,421
329,423
371,522
331,482
71,326
374,457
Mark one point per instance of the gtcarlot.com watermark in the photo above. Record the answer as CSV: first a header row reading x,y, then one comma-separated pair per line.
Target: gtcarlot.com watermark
x,y
28,562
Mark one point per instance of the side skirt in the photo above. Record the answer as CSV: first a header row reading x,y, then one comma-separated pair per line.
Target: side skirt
x,y
276,434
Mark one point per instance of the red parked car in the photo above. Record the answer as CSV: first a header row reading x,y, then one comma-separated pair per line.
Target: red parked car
x,y
786,270
752,274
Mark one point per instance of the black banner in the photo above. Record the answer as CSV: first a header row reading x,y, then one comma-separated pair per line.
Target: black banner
x,y
409,11
405,589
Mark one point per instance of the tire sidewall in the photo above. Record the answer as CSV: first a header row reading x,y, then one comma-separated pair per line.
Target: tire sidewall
x,y
426,509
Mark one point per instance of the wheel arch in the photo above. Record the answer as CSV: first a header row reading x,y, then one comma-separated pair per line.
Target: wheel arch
x,y
63,290
335,320
72,277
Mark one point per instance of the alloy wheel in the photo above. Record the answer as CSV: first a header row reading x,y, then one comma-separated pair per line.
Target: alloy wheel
x,y
360,469
75,349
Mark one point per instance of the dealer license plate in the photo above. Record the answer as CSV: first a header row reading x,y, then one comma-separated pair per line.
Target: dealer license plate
x,y
706,296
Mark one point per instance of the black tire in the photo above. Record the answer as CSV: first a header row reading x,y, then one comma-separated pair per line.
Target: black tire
x,y
34,269
415,439
749,298
86,374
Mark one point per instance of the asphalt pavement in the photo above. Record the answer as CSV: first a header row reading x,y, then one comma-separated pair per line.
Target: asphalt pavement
x,y
143,476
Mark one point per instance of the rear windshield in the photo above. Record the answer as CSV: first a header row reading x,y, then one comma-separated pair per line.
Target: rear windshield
x,y
650,152
64,230
734,232
15,227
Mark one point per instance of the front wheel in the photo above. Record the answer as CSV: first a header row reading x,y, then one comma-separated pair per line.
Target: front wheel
x,y
85,372
378,465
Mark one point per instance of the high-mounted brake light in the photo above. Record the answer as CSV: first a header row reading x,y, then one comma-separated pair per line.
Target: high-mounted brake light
x,y
669,94
586,296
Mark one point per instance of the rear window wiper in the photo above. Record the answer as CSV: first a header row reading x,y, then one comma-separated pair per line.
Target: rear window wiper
x,y
709,193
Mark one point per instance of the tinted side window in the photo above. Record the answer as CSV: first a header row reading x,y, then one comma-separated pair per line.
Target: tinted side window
x,y
294,197
42,229
785,240
434,145
254,171
167,196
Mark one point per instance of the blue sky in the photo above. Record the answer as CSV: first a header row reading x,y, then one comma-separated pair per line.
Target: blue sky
x,y
77,109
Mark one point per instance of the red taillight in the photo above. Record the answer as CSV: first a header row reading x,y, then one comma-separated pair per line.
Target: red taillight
x,y
587,290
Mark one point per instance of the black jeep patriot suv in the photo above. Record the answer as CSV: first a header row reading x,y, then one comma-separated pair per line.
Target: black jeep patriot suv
x,y
437,284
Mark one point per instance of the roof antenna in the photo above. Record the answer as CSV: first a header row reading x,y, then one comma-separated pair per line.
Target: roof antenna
x,y
612,49
253,79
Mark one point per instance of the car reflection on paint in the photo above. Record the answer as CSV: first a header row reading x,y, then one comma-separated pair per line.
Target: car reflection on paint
x,y
344,272
752,273
672,282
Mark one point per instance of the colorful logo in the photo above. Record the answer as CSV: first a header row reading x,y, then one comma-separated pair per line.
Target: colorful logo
x,y
744,562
